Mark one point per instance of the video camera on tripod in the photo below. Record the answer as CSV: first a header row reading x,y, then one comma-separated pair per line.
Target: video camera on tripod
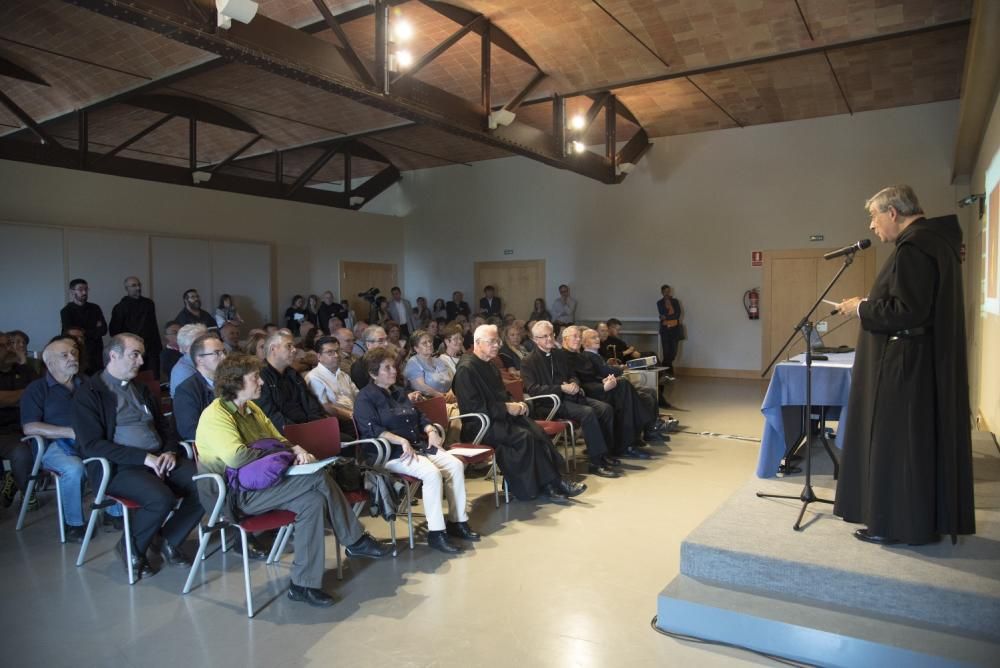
x,y
369,295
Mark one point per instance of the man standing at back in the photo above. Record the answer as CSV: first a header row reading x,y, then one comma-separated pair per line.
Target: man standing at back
x,y
192,314
136,314
90,318
670,327
402,312
564,307
907,466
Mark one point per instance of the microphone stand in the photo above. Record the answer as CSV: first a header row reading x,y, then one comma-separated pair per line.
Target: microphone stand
x,y
806,326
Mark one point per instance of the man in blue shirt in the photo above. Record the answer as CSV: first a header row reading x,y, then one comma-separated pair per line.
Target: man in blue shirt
x,y
47,411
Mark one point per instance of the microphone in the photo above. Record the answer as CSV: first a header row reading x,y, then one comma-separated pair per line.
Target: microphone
x,y
853,248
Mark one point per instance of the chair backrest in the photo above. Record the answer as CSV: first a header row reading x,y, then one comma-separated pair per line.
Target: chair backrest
x,y
435,409
516,389
319,437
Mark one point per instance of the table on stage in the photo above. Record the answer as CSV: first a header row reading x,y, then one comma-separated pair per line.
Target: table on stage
x,y
831,386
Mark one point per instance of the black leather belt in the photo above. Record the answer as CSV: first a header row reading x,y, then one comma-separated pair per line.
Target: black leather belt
x,y
910,333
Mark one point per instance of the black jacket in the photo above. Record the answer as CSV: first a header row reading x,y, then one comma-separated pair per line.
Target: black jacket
x,y
286,399
542,378
95,417
191,398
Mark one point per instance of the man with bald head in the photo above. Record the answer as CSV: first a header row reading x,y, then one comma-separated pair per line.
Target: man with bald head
x,y
547,371
525,454
346,339
136,314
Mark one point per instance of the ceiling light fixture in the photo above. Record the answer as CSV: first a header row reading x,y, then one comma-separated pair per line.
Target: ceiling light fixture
x,y
403,59
578,146
240,10
577,122
501,117
402,30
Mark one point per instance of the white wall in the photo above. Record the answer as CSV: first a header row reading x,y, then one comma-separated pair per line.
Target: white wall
x,y
689,215
308,241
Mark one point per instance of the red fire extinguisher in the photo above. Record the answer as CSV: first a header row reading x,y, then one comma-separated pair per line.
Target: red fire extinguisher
x,y
751,303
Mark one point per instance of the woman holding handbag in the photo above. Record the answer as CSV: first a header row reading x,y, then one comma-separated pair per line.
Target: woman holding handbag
x,y
228,431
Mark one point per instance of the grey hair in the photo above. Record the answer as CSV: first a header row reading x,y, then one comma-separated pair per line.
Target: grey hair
x,y
275,339
901,198
482,331
117,344
540,326
187,335
371,332
568,330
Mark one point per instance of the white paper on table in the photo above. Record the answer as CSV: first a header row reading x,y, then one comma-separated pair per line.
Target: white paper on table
x,y
468,452
312,467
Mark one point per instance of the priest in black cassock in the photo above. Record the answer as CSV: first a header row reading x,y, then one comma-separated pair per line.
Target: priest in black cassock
x,y
907,463
81,313
529,462
136,314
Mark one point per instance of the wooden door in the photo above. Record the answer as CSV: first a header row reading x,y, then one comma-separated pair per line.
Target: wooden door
x,y
793,279
357,277
517,282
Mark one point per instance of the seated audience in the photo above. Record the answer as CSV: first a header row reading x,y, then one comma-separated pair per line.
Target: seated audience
x,y
383,410
547,371
170,353
421,314
230,335
285,397
333,324
345,337
454,342
457,307
358,349
184,368
633,417
255,344
197,392
295,314
227,313
270,328
393,332
512,352
192,314
47,411
228,426
312,310
18,342
429,375
526,455
373,337
612,345
539,312
117,418
332,386
14,378
439,310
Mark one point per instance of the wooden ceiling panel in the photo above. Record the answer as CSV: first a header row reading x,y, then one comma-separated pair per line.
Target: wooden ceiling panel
x,y
673,107
913,70
420,147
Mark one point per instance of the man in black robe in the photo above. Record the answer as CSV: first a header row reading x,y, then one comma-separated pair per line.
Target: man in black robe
x,y
529,462
136,314
907,464
88,317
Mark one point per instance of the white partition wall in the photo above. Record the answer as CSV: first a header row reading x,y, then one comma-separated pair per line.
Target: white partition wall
x,y
34,281
104,258
242,270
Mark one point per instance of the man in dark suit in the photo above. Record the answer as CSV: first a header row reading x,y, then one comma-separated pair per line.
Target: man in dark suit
x,y
457,307
490,304
197,392
87,316
116,418
546,371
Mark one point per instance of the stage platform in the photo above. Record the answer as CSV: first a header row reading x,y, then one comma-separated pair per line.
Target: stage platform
x,y
823,597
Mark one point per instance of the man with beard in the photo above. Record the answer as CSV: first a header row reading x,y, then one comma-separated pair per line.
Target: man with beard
x,y
136,314
192,314
88,317
525,454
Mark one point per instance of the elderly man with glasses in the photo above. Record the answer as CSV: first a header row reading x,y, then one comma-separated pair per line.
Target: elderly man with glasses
x,y
197,392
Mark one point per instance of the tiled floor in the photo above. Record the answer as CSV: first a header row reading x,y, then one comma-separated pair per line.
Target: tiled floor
x,y
547,586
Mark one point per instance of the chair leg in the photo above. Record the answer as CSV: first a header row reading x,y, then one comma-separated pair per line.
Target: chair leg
x,y
59,508
128,546
506,491
24,503
409,512
392,534
246,572
289,530
225,545
275,552
496,487
202,548
340,562
91,525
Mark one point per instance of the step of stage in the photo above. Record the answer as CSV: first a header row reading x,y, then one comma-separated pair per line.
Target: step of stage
x,y
748,546
801,630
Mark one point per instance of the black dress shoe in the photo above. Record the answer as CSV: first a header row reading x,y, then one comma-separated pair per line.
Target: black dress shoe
x,y
863,535
602,471
142,568
367,547
555,495
611,461
74,534
174,555
570,489
653,436
461,530
439,541
314,597
633,452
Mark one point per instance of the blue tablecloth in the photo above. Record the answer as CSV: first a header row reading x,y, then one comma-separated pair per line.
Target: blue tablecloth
x,y
831,386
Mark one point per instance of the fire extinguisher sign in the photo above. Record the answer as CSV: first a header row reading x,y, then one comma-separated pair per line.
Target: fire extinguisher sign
x,y
756,258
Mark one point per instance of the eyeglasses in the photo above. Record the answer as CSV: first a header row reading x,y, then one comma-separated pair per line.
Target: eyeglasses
x,y
382,340
543,336
217,353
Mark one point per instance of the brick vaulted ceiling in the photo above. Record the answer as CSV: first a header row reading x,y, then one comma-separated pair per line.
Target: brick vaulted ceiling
x,y
673,67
